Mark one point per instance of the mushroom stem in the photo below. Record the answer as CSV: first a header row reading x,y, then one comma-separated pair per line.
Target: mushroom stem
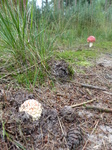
x,y
90,44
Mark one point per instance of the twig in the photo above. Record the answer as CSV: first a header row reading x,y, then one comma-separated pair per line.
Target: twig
x,y
86,85
41,135
16,72
77,105
91,134
4,81
92,87
20,70
62,132
4,96
87,74
99,109
107,92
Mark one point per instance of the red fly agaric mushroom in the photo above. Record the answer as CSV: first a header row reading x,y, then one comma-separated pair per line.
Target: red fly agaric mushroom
x,y
91,39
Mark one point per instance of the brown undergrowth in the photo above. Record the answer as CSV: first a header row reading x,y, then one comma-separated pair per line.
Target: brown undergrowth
x,y
82,129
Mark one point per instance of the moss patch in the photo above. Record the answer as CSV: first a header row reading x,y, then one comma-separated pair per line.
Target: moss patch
x,y
78,57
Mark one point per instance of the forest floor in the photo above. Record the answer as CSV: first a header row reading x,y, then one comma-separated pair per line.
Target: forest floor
x,y
60,127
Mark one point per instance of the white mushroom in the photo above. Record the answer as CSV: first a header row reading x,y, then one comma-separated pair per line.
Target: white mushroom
x,y
32,107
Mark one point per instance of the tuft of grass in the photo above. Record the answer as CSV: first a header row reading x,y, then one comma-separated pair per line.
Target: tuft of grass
x,y
84,63
31,77
25,42
71,70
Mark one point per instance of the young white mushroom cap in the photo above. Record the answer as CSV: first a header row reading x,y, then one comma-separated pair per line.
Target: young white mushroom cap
x,y
32,107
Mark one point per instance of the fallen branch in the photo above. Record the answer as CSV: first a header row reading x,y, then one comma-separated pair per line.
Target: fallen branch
x,y
77,105
92,87
99,109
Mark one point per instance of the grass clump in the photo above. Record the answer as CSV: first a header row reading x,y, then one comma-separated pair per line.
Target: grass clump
x,y
27,43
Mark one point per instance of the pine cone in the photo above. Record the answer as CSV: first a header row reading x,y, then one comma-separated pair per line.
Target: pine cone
x,y
74,138
68,113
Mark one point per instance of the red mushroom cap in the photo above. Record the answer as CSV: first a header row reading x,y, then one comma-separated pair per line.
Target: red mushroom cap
x,y
91,39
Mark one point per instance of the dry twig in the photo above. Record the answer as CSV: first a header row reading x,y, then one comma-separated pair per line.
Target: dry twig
x,y
86,85
107,92
92,87
77,105
99,109
91,134
16,72
63,132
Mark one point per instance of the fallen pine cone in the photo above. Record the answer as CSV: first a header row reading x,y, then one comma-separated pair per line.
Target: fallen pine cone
x,y
68,113
74,138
